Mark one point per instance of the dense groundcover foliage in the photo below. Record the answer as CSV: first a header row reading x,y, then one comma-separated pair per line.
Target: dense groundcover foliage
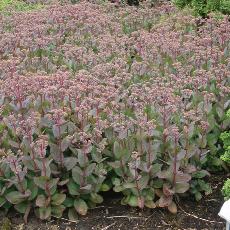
x,y
204,7
225,137
95,97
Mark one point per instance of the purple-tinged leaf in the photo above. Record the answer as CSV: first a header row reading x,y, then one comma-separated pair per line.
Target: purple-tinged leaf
x,y
44,213
81,206
182,177
65,143
70,162
90,168
41,201
165,201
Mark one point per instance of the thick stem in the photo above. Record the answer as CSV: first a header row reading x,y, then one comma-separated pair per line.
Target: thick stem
x,y
174,164
123,169
149,153
47,189
44,166
20,184
32,153
136,182
59,147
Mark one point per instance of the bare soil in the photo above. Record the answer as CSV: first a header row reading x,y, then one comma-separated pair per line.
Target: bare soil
x,y
113,216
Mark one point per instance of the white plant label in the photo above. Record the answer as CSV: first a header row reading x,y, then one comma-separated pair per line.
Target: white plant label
x,y
225,211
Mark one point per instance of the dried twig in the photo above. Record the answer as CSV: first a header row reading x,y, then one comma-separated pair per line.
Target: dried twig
x,y
100,207
107,227
129,217
192,215
148,218
211,200
67,220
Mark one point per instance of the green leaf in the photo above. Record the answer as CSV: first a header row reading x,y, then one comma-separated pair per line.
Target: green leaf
x,y
90,168
105,187
56,130
33,188
64,182
70,162
72,214
28,162
149,194
182,177
181,187
44,213
81,206
128,185
96,198
22,207
205,186
65,144
157,183
117,150
220,112
143,182
57,211
55,151
156,168
77,174
41,181
86,187
41,201
165,174
138,58
68,202
116,181
2,201
198,196
82,158
150,204
212,139
45,122
45,183
133,201
22,185
191,130
52,186
73,188
118,188
200,174
58,198
115,164
16,197
71,127
53,183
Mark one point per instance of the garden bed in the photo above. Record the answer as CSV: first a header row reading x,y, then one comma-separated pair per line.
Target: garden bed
x,y
113,216
98,97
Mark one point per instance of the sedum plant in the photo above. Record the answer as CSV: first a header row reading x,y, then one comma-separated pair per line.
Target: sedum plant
x,y
94,98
